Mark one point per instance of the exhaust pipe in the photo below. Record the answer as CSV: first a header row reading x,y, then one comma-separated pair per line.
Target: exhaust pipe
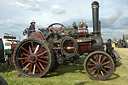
x,y
123,37
95,17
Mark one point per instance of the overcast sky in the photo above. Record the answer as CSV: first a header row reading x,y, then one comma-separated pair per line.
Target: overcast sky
x,y
16,15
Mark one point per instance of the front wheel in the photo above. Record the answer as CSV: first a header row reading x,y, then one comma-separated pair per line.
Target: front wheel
x,y
99,65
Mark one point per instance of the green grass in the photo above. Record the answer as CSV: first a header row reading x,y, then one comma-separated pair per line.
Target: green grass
x,y
72,74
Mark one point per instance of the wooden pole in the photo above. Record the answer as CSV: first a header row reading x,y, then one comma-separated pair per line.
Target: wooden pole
x,y
21,80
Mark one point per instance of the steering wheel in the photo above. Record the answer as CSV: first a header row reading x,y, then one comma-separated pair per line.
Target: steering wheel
x,y
52,28
25,31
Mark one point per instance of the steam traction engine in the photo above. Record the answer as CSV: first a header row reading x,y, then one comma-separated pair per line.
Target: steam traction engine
x,y
122,43
45,49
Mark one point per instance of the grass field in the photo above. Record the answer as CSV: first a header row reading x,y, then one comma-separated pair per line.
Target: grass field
x,y
72,74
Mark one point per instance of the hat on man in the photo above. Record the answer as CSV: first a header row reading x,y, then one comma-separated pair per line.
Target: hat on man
x,y
33,21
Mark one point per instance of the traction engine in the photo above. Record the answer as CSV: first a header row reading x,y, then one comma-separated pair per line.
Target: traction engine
x,y
46,49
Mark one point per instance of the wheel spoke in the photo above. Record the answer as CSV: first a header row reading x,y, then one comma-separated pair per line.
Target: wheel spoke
x,y
30,50
41,66
30,70
24,62
24,49
37,47
38,67
34,68
32,46
102,73
89,64
44,57
91,68
42,53
22,58
41,50
26,54
98,73
103,59
94,71
92,61
26,66
105,70
100,58
42,61
106,63
107,67
96,56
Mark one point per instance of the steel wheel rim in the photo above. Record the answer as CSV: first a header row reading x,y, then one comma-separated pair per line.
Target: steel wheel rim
x,y
32,66
99,66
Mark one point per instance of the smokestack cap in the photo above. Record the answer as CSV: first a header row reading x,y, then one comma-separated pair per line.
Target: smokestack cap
x,y
95,3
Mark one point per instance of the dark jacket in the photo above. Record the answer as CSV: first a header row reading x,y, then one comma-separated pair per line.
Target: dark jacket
x,y
31,27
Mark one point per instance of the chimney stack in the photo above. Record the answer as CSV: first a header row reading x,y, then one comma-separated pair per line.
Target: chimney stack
x,y
95,17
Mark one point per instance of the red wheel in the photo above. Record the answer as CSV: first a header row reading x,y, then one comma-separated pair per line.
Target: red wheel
x,y
32,58
99,65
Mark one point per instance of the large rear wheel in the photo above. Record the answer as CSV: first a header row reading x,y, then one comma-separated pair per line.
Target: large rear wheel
x,y
99,65
32,58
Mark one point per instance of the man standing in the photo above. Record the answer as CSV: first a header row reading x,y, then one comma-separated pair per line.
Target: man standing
x,y
31,27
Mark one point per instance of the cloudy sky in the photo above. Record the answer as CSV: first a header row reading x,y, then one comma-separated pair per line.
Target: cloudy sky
x,y
16,15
